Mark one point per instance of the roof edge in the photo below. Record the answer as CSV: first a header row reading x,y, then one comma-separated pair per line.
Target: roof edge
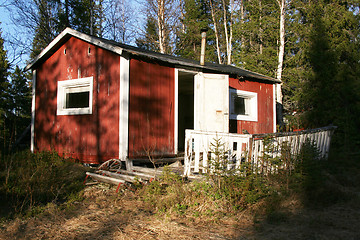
x,y
71,32
120,49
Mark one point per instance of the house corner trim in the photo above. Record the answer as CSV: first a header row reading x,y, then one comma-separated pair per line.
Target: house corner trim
x,y
176,115
124,108
274,107
32,141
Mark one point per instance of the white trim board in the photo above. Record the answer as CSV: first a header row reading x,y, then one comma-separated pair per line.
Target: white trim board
x,y
274,108
176,115
82,36
124,108
32,141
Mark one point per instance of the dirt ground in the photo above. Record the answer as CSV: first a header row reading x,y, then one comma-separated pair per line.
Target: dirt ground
x,y
105,215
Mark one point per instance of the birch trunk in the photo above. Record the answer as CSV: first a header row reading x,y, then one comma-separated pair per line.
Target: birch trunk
x,y
161,25
216,32
228,35
281,50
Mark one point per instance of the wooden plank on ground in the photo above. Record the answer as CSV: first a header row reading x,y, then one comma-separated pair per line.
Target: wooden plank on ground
x,y
118,176
139,174
105,179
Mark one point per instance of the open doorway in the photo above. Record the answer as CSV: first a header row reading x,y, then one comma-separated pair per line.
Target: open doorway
x,y
185,106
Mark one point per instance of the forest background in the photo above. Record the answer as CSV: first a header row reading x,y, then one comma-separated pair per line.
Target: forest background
x,y
312,46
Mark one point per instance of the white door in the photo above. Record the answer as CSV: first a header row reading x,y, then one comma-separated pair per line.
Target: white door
x,y
211,110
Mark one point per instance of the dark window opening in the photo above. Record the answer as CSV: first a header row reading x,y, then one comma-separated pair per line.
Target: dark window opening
x,y
239,105
77,100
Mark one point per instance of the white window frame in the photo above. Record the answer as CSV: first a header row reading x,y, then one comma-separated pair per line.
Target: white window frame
x,y
251,106
73,86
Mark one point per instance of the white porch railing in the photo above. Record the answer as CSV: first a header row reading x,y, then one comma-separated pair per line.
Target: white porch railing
x,y
248,147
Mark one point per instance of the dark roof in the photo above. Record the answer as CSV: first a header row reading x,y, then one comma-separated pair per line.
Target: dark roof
x,y
123,48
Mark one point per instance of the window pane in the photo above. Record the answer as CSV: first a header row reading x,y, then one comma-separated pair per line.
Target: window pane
x,y
239,105
77,100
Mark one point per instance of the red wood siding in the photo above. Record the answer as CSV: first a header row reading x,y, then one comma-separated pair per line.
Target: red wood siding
x,y
89,138
151,110
265,123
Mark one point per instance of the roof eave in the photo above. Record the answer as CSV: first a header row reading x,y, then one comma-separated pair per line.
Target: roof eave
x,y
64,35
68,33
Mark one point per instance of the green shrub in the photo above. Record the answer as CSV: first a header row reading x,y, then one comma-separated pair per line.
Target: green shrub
x,y
30,180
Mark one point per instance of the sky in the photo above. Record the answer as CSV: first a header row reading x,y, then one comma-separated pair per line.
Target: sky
x,y
9,32
6,26
12,34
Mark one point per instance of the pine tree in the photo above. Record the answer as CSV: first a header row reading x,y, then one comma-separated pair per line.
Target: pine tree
x,y
150,39
331,95
45,26
4,94
195,17
258,30
19,109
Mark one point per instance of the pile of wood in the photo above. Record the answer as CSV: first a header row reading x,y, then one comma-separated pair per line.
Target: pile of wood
x,y
111,172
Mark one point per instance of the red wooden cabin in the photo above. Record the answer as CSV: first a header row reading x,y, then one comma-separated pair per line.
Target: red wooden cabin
x,y
95,99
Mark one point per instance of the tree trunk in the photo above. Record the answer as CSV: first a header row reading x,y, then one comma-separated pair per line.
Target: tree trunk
x,y
260,29
161,25
281,60
216,32
281,48
228,36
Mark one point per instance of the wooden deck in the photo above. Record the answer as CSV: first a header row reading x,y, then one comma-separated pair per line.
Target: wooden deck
x,y
240,148
249,148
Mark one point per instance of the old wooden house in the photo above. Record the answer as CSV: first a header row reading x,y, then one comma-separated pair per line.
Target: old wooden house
x,y
95,99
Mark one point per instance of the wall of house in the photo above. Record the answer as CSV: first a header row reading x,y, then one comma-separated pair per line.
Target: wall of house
x,y
151,109
265,123
90,138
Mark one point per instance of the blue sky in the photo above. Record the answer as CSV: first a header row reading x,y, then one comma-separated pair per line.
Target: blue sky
x,y
9,33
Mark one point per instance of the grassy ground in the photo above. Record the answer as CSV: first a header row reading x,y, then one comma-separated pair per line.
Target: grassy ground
x,y
103,214
323,202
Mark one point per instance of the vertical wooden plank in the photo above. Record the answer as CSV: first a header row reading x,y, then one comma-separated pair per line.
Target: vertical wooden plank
x,y
186,154
197,153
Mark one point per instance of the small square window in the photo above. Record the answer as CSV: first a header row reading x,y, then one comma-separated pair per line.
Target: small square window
x,y
239,105
243,105
75,96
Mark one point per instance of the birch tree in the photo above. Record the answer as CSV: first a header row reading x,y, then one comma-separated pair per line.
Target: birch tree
x,y
222,15
166,14
282,7
118,21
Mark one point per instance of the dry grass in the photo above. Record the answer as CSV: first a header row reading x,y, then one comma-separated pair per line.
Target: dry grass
x,y
107,215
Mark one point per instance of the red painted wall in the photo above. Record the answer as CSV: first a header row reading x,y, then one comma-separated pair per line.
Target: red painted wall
x,y
90,138
265,123
151,110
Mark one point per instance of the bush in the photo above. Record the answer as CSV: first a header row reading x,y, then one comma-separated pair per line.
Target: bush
x,y
29,180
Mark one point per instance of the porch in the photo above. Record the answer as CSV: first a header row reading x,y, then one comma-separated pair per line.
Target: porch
x,y
250,148
255,150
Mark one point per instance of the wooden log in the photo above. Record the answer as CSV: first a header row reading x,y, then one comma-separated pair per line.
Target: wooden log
x,y
141,175
105,179
124,177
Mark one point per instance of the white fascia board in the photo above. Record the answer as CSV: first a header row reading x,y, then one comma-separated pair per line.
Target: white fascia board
x,y
124,108
274,107
32,141
176,123
87,38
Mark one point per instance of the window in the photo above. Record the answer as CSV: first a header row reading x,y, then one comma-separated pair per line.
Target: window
x,y
243,105
75,96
